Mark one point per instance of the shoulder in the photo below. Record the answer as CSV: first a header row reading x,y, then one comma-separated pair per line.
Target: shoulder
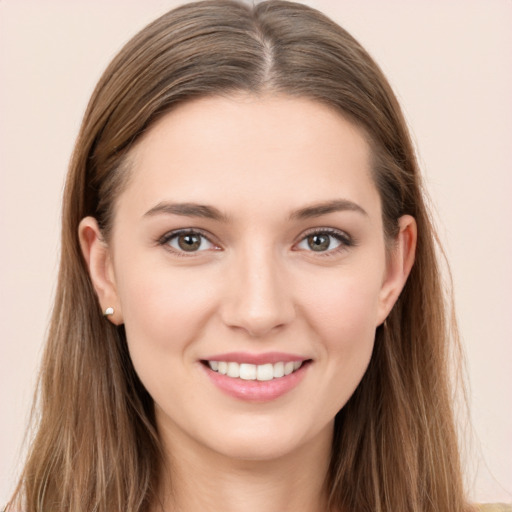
x,y
494,507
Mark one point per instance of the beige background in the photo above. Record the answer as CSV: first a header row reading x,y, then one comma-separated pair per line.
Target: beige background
x,y
450,63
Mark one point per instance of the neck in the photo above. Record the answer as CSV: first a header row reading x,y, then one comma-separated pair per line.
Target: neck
x,y
206,480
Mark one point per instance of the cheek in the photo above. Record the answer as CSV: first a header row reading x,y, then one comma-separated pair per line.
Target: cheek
x,y
343,308
342,313
163,311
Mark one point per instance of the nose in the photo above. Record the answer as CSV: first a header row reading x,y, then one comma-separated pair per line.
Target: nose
x,y
258,299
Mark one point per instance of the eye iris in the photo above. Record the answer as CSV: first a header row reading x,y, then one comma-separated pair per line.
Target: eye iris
x,y
319,242
189,242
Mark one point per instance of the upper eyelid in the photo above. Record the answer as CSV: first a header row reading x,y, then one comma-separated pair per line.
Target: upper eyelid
x,y
329,231
183,231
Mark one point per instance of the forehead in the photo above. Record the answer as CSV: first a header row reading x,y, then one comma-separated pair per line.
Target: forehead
x,y
252,148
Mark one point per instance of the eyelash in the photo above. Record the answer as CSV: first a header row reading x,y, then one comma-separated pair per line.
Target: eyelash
x,y
165,239
345,240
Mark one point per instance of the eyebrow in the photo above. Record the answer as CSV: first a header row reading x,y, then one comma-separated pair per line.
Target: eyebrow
x,y
210,212
324,208
187,210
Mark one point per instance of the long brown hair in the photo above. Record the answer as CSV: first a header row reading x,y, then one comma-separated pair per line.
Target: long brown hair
x,y
96,447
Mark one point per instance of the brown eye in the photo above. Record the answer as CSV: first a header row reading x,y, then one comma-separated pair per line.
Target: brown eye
x,y
327,241
189,242
319,242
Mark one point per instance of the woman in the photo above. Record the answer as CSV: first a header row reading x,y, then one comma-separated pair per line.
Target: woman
x,y
249,311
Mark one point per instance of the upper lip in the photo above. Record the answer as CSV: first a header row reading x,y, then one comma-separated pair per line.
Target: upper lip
x,y
263,358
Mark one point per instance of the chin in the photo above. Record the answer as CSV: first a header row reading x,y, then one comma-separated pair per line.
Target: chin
x,y
267,442
257,450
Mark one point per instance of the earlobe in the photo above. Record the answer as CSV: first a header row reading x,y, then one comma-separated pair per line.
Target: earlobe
x,y
97,256
401,260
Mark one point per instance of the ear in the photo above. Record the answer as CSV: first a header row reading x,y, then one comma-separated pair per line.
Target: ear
x,y
98,258
399,265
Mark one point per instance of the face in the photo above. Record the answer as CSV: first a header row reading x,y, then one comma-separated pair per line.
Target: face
x,y
249,240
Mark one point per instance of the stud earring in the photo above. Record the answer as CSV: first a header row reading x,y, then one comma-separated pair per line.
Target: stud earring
x,y
108,312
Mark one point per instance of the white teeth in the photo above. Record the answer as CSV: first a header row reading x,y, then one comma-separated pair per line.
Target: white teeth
x,y
278,370
260,372
233,370
288,368
265,372
247,371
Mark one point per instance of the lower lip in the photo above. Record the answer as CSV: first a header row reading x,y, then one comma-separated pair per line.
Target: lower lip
x,y
256,390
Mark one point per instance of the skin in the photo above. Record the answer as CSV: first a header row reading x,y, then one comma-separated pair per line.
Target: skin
x,y
255,286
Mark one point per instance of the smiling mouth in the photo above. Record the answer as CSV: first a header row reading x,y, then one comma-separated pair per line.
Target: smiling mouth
x,y
260,372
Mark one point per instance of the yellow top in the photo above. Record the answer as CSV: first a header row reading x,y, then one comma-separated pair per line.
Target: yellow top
x,y
495,507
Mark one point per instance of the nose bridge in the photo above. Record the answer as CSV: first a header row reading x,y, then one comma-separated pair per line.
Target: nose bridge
x,y
259,299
